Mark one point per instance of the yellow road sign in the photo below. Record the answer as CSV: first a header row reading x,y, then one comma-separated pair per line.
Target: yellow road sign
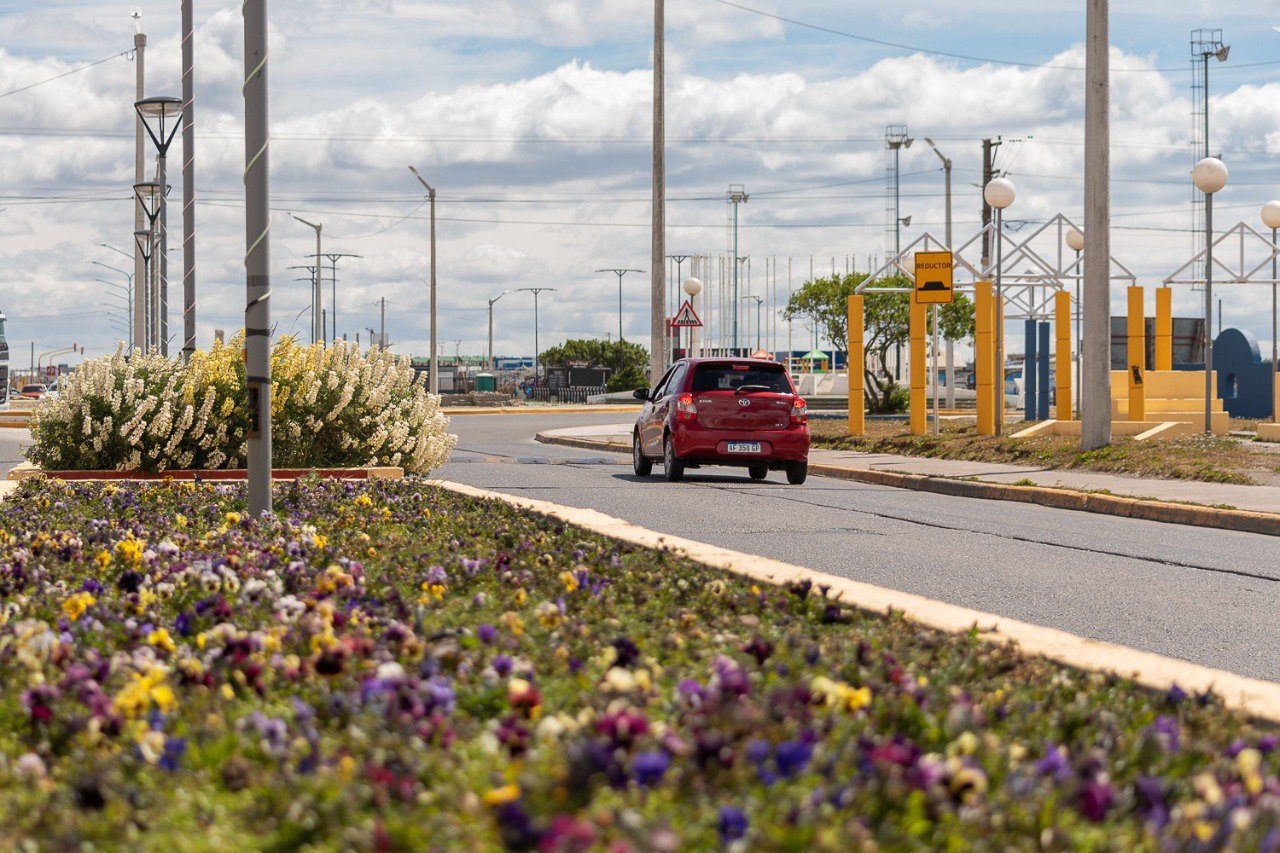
x,y
934,278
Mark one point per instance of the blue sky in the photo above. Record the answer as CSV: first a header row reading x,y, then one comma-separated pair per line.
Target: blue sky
x,y
532,118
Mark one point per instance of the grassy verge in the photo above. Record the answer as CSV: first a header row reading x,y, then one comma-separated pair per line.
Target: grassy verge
x,y
390,666
1209,459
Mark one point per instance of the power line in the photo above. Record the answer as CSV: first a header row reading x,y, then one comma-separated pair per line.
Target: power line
x,y
948,54
65,74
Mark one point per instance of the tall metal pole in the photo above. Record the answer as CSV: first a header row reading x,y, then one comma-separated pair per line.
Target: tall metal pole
x,y
435,357
897,209
382,325
951,345
1275,332
162,327
1208,311
139,264
317,323
999,323
188,184
257,258
1095,385
658,249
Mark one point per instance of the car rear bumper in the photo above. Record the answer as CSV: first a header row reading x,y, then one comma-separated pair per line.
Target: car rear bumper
x,y
698,445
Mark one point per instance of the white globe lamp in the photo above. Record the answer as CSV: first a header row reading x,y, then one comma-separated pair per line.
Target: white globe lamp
x,y
692,286
999,193
1209,175
1075,240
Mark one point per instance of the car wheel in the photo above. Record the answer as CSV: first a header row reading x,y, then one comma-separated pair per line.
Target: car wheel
x,y
673,467
757,472
641,464
797,472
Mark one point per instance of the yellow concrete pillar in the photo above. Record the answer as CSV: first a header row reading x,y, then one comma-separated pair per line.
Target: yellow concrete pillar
x,y
1063,363
984,315
857,368
918,358
1164,328
1137,354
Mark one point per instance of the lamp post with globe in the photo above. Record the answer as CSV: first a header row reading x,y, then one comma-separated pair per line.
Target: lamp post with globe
x,y
1271,219
692,287
1209,175
999,193
1075,242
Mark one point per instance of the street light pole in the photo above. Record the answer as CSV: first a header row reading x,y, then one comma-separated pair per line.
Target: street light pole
x,y
1271,218
658,247
951,350
1095,385
257,259
435,357
758,301
317,331
166,114
737,196
999,194
188,184
1209,175
493,366
620,273
535,291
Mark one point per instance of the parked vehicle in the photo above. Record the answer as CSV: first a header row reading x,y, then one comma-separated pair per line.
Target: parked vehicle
x,y
33,392
740,412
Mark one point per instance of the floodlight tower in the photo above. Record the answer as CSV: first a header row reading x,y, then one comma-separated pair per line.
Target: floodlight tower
x,y
895,139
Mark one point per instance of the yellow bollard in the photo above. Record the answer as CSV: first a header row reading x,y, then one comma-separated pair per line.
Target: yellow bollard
x,y
1063,362
857,368
1137,354
983,317
917,357
1164,328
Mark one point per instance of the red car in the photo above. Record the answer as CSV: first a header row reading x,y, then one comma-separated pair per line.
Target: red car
x,y
742,412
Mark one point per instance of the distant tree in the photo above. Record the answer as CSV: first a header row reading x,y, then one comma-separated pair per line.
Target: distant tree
x,y
626,361
824,302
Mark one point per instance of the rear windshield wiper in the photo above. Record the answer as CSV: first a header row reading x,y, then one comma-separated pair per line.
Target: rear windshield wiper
x,y
744,389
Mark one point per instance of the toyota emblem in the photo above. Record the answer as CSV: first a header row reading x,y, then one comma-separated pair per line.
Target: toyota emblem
x,y
744,402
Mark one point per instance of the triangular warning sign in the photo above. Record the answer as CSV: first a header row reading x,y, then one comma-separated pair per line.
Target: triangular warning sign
x,y
685,316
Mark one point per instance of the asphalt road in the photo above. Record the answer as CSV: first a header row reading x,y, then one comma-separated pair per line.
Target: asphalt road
x,y
1207,596
11,443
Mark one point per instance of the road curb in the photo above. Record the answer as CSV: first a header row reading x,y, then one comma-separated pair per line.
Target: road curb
x,y
1241,521
1255,697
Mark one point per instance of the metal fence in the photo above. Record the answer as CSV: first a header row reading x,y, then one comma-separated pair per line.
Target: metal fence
x,y
563,395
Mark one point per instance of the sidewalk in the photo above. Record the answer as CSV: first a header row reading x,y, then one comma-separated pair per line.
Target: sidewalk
x,y
1254,507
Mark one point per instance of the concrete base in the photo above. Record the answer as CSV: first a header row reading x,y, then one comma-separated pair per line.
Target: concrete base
x,y
1269,432
1138,430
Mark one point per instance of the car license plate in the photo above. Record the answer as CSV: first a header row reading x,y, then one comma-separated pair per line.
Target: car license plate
x,y
744,447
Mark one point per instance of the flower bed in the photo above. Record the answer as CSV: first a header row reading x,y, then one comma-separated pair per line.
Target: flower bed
x,y
331,407
391,666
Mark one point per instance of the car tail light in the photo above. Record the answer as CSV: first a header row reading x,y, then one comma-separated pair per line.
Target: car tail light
x,y
799,411
685,409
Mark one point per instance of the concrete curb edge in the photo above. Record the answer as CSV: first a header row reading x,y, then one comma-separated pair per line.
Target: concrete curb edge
x,y
1241,521
1255,697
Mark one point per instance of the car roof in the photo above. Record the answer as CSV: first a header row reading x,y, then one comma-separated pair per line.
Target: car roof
x,y
731,359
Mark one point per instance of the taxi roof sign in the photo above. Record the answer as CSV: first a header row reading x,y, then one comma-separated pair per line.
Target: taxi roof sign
x,y
935,278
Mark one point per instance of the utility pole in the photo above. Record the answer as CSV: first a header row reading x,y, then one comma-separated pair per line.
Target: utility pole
x,y
382,331
188,184
139,263
334,257
737,197
317,329
620,273
257,259
1095,385
435,358
535,291
658,246
989,147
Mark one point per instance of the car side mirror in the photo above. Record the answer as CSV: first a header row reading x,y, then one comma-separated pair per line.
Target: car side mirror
x,y
641,394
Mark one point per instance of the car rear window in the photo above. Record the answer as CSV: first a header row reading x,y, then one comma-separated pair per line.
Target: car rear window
x,y
730,377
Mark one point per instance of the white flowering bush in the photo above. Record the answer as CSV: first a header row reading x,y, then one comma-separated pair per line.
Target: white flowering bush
x,y
331,407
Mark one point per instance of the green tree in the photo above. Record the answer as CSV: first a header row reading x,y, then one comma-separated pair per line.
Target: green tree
x,y
626,361
886,317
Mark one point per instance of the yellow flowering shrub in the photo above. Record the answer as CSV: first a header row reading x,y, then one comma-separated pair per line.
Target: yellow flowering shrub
x,y
331,407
